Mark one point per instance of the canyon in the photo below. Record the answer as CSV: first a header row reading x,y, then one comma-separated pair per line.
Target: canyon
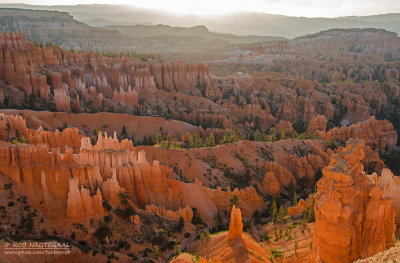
x,y
130,157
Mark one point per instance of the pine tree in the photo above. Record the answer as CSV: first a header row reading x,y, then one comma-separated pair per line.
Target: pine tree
x,y
283,134
196,140
274,212
295,135
159,140
219,220
210,141
281,214
272,134
234,200
226,138
311,212
257,136
179,226
169,141
124,134
188,140
294,198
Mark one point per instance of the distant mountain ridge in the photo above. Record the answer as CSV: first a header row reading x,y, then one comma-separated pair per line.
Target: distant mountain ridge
x,y
143,31
60,28
369,41
245,23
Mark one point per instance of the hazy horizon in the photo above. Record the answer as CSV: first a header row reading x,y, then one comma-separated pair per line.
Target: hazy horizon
x,y
298,8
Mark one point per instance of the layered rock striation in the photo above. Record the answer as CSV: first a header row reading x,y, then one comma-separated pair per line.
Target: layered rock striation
x,y
354,217
377,134
14,127
78,180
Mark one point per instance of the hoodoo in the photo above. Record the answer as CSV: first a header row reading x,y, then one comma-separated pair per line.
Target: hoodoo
x,y
236,224
353,219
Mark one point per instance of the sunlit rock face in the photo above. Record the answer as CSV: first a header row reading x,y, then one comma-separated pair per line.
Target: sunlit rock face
x,y
236,224
376,133
354,218
78,179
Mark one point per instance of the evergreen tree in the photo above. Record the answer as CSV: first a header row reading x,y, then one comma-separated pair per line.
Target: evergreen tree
x,y
295,135
281,215
311,212
170,140
197,143
150,140
180,225
123,132
257,136
219,220
283,134
226,138
234,200
188,140
210,141
263,137
159,140
274,212
272,134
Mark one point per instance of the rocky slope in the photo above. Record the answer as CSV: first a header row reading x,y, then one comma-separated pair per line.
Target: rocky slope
x,y
231,246
377,134
61,29
374,41
391,255
120,170
136,127
58,80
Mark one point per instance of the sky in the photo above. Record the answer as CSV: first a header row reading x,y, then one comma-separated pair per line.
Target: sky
x,y
307,8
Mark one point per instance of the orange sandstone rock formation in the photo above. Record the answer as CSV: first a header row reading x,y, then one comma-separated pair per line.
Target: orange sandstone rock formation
x,y
80,203
284,126
377,134
354,219
236,224
391,186
317,123
77,181
186,213
271,184
301,206
15,127
277,179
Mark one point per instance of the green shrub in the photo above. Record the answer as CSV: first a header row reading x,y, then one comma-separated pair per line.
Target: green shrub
x,y
205,235
179,226
234,200
107,205
102,232
125,212
196,219
333,144
276,253
108,218
265,237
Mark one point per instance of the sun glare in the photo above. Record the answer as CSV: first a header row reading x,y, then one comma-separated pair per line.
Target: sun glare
x,y
204,8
